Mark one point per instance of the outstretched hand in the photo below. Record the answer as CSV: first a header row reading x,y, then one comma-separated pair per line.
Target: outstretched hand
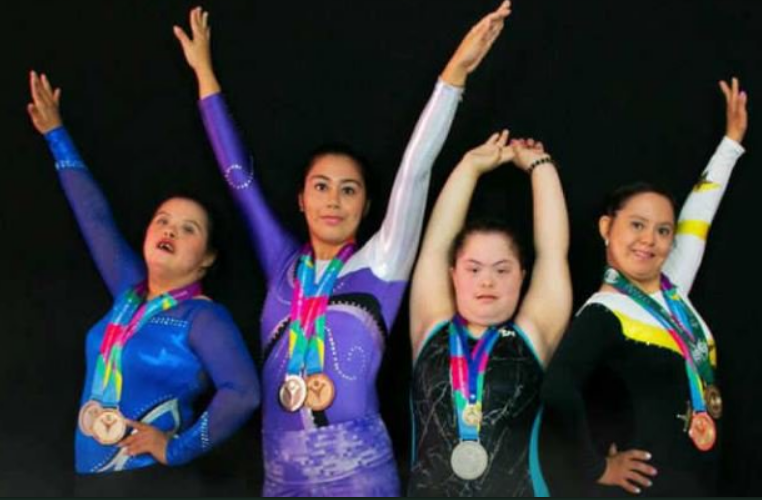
x,y
475,46
197,49
491,154
44,108
737,115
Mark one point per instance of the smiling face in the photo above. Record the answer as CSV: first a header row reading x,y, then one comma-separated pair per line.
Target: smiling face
x,y
333,200
640,237
487,279
176,245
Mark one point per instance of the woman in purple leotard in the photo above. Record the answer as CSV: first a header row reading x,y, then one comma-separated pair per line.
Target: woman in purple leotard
x,y
323,341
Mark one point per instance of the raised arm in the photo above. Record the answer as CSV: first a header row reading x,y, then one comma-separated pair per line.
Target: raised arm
x,y
391,252
547,307
701,207
271,242
118,264
431,298
217,341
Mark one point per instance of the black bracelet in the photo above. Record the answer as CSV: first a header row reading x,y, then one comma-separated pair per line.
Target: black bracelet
x,y
541,161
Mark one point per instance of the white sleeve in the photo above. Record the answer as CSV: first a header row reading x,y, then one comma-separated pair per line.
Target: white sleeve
x,y
391,252
698,213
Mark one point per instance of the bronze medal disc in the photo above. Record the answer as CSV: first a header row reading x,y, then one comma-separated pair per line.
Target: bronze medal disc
x,y
293,392
713,398
87,416
109,427
703,431
321,392
472,416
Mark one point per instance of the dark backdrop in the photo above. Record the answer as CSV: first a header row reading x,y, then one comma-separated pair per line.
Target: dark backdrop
x,y
619,91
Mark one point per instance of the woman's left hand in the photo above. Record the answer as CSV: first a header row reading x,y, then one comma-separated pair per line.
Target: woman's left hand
x,y
476,45
146,439
737,115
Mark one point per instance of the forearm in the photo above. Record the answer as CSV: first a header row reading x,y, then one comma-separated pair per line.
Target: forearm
x,y
391,252
698,214
207,82
118,265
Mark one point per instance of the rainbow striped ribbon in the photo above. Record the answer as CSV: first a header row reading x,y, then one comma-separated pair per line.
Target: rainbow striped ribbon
x,y
306,340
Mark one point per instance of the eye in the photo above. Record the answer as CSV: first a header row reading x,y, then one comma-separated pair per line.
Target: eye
x,y
665,231
472,270
349,190
321,186
638,226
188,229
503,270
162,221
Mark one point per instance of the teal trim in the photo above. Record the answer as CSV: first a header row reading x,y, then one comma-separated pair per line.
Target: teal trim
x,y
535,470
529,343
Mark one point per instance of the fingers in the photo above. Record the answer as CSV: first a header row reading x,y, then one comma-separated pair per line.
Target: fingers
x,y
182,37
725,90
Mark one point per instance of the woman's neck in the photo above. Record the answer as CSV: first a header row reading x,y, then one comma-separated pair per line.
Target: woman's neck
x,y
325,251
158,286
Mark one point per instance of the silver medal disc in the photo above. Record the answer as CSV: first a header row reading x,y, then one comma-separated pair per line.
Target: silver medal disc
x,y
469,460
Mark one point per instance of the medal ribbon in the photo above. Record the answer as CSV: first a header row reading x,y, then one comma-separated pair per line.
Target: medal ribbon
x,y
306,339
467,369
682,324
129,314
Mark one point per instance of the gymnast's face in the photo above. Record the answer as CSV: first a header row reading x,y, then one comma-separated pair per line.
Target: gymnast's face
x,y
333,200
487,279
640,237
176,245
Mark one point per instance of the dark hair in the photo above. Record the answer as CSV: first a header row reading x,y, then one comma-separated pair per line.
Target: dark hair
x,y
486,226
618,199
339,149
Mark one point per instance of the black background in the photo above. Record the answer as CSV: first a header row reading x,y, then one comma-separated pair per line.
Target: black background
x,y
618,91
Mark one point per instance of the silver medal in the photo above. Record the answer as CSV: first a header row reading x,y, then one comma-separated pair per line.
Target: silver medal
x,y
469,460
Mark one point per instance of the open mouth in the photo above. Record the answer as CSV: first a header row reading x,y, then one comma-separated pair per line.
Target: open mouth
x,y
166,246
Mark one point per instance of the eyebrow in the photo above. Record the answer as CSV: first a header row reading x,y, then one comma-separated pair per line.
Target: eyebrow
x,y
341,181
498,263
189,221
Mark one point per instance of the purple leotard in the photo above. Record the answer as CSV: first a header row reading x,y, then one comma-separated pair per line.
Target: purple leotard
x,y
345,450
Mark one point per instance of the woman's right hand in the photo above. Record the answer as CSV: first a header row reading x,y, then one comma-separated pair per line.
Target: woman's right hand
x,y
198,52
628,470
198,49
44,108
490,155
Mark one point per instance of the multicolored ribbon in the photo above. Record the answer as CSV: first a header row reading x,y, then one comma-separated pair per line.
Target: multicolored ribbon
x,y
306,341
467,369
129,314
682,324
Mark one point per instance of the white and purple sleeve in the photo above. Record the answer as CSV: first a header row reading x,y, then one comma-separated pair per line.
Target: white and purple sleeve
x,y
391,252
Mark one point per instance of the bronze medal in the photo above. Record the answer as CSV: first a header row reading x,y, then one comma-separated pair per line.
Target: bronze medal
x,y
472,416
293,393
87,416
703,431
109,427
321,392
713,399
